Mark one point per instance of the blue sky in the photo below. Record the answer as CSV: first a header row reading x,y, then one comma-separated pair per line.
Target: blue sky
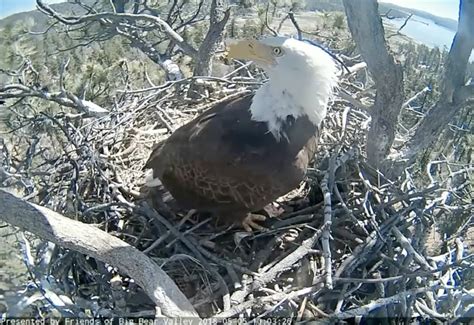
x,y
9,7
443,8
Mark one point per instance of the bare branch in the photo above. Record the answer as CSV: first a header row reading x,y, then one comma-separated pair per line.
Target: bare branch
x,y
325,188
364,310
267,24
386,15
455,94
291,15
116,18
416,96
98,244
402,26
172,71
62,98
280,25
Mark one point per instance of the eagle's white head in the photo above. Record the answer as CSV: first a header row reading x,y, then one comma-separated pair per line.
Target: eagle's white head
x,y
301,79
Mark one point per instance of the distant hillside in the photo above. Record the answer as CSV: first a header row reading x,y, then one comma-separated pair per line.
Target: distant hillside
x,y
315,5
402,12
395,11
40,19
325,5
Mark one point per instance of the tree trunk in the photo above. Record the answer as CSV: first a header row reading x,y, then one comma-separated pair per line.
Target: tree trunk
x,y
218,20
455,94
203,60
119,5
367,31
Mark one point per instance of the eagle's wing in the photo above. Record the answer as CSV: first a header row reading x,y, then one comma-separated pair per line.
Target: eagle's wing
x,y
224,158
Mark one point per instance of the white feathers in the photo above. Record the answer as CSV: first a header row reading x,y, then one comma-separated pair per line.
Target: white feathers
x,y
150,181
300,83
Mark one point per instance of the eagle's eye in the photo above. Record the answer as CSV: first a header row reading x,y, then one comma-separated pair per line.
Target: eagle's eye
x,y
277,51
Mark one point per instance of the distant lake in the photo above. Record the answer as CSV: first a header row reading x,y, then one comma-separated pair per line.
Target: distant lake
x,y
426,31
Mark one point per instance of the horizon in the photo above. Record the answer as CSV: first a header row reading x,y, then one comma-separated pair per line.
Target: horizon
x,y
440,8
10,7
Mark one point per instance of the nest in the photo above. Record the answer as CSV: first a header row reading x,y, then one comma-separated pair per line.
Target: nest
x,y
348,242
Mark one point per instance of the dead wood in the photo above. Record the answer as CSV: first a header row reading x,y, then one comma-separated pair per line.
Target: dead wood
x,y
376,241
367,31
455,93
91,241
135,26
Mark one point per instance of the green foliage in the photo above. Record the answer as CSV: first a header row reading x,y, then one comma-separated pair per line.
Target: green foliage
x,y
252,28
246,4
196,34
297,5
15,45
338,22
96,71
423,66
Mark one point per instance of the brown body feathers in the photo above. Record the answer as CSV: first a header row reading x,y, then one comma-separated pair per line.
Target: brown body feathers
x,y
224,163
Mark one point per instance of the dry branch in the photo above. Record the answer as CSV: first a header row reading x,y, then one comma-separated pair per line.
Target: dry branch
x,y
291,15
63,98
401,27
364,310
100,245
455,94
135,26
116,17
95,174
326,188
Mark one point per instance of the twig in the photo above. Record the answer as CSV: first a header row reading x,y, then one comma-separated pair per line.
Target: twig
x,y
291,15
94,242
235,310
409,248
327,225
150,212
401,27
285,264
364,310
274,32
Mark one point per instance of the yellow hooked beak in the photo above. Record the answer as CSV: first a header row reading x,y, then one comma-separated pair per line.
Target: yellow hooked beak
x,y
250,50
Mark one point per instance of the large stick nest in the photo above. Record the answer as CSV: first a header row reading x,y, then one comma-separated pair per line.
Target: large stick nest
x,y
347,242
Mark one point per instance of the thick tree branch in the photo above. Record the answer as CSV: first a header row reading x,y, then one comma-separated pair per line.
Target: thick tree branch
x,y
367,31
98,244
171,69
461,48
454,91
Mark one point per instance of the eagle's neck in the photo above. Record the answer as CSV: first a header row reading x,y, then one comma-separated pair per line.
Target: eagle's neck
x,y
293,94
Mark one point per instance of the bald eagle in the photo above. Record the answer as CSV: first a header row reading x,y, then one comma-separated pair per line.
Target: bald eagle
x,y
244,153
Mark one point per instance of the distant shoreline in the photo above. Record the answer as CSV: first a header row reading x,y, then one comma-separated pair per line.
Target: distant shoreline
x,y
402,12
